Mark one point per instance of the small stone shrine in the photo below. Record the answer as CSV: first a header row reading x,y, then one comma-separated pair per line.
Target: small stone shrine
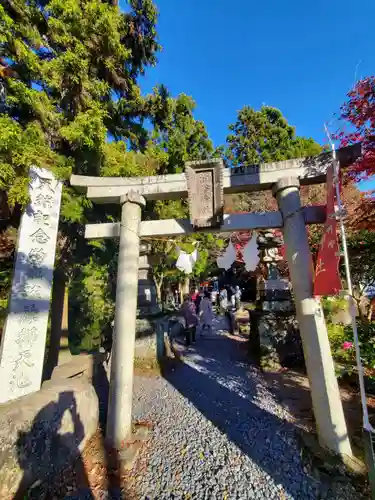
x,y
274,328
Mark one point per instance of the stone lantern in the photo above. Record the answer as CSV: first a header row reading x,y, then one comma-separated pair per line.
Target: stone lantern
x,y
274,328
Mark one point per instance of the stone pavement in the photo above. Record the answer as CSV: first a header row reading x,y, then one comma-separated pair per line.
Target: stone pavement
x,y
218,431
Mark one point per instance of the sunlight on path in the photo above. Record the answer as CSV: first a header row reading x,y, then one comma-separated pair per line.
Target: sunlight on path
x,y
219,433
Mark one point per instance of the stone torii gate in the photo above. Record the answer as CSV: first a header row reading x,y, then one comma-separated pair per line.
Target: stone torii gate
x,y
205,183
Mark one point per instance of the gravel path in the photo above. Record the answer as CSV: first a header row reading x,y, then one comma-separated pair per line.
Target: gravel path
x,y
218,432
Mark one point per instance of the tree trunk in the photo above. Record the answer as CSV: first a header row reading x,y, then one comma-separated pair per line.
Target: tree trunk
x,y
158,287
59,321
370,311
186,286
362,304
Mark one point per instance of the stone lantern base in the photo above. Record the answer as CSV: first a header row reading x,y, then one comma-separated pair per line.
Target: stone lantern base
x,y
275,339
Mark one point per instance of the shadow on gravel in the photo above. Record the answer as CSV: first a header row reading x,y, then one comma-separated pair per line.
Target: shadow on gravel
x,y
110,458
219,386
115,480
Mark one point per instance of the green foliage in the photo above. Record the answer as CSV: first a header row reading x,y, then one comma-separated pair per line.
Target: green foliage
x,y
67,71
21,148
361,248
366,335
337,332
333,305
118,162
210,246
179,134
70,65
6,273
7,241
265,136
90,306
340,334
337,337
260,137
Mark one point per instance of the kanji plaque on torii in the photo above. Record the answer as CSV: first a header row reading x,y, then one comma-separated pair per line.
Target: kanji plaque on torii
x,y
205,193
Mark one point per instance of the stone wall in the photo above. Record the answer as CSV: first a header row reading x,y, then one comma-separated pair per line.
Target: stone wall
x,y
146,337
279,339
150,335
43,431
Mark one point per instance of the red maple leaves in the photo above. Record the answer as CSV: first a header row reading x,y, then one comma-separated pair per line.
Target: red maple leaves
x,y
358,113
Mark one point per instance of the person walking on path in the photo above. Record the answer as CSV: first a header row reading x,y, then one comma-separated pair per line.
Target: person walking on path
x,y
191,319
206,310
197,301
232,297
237,296
177,298
223,301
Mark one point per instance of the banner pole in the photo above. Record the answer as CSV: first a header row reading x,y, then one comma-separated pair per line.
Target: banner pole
x,y
366,423
368,430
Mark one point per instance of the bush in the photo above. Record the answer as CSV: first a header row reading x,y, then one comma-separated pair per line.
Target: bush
x,y
91,306
332,305
341,336
342,345
366,334
337,336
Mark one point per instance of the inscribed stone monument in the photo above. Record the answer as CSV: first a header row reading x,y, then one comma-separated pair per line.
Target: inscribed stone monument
x,y
24,336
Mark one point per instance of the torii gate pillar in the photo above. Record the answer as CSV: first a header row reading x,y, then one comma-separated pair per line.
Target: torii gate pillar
x,y
119,418
327,405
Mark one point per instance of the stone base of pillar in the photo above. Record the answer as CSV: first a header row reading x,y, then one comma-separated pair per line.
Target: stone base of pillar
x,y
280,342
124,459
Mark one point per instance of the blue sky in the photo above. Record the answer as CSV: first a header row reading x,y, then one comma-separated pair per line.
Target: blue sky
x,y
299,56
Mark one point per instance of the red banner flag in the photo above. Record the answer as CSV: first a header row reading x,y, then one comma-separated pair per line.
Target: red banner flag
x,y
327,278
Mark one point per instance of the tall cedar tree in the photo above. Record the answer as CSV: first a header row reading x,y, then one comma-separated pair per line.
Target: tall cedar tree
x,y
261,137
182,138
68,70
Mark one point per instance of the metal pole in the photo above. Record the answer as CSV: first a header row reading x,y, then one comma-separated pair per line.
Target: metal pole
x,y
366,423
367,427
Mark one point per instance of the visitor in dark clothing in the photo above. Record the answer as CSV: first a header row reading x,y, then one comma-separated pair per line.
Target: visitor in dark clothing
x,y
197,302
191,319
